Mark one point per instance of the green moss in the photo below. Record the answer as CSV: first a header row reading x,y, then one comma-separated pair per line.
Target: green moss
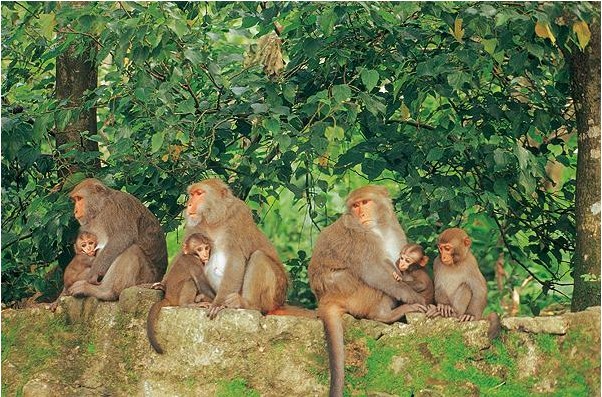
x,y
547,343
235,388
41,344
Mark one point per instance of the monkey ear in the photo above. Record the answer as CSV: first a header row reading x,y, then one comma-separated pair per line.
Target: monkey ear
x,y
100,188
424,261
467,242
224,192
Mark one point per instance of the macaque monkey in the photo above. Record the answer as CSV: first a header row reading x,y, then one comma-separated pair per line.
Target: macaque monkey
x,y
244,269
131,247
85,247
460,288
350,272
411,264
184,284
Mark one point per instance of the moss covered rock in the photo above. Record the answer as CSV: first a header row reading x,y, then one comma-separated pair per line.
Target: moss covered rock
x,y
100,348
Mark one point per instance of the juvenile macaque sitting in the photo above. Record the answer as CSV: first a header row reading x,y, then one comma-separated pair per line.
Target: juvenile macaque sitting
x,y
195,245
184,284
411,265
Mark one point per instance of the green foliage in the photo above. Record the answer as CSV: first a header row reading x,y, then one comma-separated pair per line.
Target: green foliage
x,y
457,107
235,387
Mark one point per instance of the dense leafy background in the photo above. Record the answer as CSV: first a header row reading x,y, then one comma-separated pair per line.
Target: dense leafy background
x,y
457,108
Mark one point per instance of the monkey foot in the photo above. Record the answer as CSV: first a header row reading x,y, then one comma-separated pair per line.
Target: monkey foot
x,y
158,286
446,310
466,317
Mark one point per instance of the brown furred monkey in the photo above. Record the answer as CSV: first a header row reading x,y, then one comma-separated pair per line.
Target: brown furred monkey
x,y
184,284
131,243
460,288
85,247
244,268
350,272
411,264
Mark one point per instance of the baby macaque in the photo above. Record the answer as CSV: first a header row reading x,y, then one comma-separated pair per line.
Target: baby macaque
x,y
198,246
185,283
411,265
79,267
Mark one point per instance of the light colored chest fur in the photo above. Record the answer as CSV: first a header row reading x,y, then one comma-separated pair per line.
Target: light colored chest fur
x,y
391,243
214,270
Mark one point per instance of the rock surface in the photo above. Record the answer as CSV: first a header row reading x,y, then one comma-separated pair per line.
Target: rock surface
x,y
91,348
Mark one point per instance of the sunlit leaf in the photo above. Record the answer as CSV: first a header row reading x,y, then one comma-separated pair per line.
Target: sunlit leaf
x,y
542,29
583,33
458,32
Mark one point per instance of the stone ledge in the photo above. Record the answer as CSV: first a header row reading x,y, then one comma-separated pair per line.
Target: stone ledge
x,y
101,348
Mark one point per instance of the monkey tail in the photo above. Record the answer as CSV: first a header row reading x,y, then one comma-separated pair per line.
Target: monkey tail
x,y
151,324
331,315
495,326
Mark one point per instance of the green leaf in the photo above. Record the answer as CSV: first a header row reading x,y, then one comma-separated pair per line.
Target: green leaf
x,y
522,155
373,168
178,26
47,24
335,133
489,45
341,92
157,142
272,125
374,106
435,154
194,55
369,78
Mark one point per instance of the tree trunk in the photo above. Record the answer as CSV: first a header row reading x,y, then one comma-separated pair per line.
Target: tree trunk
x,y
76,72
585,76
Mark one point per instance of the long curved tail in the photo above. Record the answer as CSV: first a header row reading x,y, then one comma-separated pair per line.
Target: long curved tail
x,y
331,315
151,324
495,326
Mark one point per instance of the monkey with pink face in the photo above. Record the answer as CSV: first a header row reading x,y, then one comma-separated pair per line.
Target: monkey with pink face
x,y
350,272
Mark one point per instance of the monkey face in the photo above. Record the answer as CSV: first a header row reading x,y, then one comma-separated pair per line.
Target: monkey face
x,y
202,251
87,247
405,261
446,253
364,211
196,199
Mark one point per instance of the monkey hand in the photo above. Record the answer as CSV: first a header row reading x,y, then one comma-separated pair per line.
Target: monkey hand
x,y
234,301
446,310
214,308
396,277
78,289
432,311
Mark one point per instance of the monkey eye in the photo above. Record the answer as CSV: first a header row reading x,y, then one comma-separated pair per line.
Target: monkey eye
x,y
197,192
364,202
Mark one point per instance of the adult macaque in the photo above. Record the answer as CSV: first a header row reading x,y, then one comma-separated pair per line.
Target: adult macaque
x,y
460,288
411,264
131,243
181,283
350,272
244,268
85,246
